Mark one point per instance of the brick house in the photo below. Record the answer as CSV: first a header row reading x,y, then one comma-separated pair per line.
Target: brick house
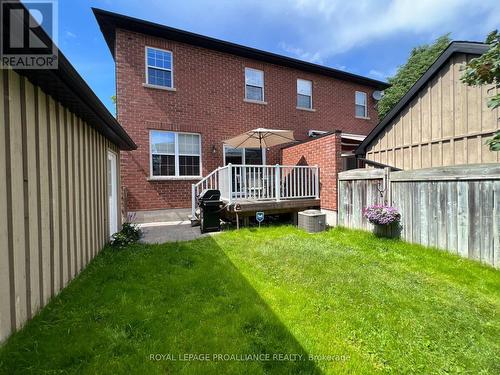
x,y
180,95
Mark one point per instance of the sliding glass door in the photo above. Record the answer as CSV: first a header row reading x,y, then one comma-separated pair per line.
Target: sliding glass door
x,y
245,176
244,156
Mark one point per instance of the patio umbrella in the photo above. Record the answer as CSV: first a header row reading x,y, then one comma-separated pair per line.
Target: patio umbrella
x,y
261,138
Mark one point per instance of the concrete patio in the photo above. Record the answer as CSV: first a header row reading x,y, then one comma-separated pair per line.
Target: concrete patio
x,y
172,231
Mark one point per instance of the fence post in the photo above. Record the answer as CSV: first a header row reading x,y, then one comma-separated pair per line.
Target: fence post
x,y
230,181
277,182
316,181
387,185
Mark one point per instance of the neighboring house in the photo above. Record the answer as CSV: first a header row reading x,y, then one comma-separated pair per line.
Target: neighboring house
x,y
59,184
440,121
180,95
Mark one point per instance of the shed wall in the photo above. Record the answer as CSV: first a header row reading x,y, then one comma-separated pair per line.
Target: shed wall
x,y
447,123
53,198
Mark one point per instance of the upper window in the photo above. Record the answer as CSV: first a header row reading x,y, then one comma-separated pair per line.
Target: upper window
x,y
175,154
159,67
304,94
361,104
254,84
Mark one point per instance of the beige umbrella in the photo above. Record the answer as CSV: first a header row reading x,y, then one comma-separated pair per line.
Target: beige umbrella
x,y
258,138
261,138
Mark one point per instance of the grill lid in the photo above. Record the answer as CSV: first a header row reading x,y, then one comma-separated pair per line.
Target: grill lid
x,y
209,195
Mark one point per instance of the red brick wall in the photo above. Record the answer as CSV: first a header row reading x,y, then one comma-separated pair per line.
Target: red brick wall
x,y
325,152
209,100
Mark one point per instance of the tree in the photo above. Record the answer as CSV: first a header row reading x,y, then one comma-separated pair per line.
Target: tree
x,y
485,70
421,58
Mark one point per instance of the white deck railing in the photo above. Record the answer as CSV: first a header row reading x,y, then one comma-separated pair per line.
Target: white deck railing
x,y
259,182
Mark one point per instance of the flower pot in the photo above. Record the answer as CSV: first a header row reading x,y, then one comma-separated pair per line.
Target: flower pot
x,y
392,230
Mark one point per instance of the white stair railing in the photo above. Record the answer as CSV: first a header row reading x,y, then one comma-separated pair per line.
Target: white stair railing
x,y
259,182
213,180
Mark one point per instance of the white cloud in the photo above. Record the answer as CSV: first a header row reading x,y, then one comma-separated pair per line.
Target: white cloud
x,y
377,74
315,30
69,34
301,54
336,26
382,75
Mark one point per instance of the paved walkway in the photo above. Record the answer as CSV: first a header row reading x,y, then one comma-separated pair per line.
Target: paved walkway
x,y
172,231
170,215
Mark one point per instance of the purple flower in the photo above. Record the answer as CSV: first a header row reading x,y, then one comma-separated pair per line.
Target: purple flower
x,y
382,214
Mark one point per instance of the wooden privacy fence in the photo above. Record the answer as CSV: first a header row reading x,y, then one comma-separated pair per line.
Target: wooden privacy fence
x,y
455,208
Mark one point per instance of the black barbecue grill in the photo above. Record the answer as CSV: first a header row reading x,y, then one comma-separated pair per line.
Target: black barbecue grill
x,y
210,207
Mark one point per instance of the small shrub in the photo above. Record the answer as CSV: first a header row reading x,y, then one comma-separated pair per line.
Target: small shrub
x,y
382,214
130,233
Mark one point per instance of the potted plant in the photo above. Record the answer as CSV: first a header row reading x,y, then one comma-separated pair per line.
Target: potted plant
x,y
385,220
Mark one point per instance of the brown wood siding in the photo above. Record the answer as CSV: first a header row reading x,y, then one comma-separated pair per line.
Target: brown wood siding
x,y
448,123
5,312
53,198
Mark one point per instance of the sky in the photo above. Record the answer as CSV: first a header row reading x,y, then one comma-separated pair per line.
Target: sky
x,y
366,37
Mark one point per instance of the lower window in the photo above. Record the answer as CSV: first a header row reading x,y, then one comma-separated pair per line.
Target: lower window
x,y
189,165
163,165
175,154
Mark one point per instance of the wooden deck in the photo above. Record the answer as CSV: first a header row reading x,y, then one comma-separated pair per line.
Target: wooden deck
x,y
247,189
250,206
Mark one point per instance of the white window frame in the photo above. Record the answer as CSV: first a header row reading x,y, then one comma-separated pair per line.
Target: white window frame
x,y
242,154
365,105
113,200
311,96
171,70
177,176
263,85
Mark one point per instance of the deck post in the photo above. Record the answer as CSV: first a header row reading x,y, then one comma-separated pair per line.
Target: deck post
x,y
243,175
277,182
316,182
230,182
193,201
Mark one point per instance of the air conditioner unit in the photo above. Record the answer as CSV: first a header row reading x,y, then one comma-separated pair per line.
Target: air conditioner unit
x,y
312,221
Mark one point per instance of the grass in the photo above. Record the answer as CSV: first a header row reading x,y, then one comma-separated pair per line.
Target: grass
x,y
372,305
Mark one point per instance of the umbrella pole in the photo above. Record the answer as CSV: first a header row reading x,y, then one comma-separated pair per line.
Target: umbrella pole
x,y
261,177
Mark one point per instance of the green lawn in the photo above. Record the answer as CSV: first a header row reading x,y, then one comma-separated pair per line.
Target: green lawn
x,y
372,305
